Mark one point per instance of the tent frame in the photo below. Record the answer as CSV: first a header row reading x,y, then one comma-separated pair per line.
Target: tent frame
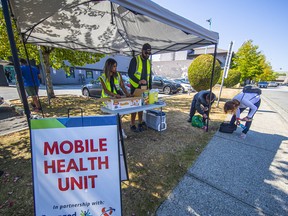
x,y
17,64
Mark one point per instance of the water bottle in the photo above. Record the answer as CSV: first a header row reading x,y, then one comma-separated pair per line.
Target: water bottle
x,y
242,126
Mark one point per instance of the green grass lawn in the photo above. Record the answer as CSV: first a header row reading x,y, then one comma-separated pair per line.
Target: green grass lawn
x,y
156,161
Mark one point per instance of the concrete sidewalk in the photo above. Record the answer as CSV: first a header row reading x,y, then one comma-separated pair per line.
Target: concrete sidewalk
x,y
238,177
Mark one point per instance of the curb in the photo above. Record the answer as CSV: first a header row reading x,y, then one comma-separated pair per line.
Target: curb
x,y
277,108
14,131
17,109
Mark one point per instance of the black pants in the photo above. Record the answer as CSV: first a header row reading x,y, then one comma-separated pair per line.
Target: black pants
x,y
248,123
193,110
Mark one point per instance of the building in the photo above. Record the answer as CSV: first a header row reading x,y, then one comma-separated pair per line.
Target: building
x,y
7,73
84,74
170,65
175,65
282,79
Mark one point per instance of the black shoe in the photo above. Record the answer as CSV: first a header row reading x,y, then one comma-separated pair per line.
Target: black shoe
x,y
143,126
140,127
189,119
134,129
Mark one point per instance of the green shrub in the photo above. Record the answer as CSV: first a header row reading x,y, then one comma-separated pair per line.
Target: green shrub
x,y
200,70
232,79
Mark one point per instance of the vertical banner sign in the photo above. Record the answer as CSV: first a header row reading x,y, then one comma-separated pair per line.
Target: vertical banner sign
x,y
76,168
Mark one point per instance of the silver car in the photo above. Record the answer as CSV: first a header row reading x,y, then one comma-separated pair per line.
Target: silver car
x,y
272,84
94,88
186,87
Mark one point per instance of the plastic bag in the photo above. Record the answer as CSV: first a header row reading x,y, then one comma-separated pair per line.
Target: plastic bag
x,y
197,121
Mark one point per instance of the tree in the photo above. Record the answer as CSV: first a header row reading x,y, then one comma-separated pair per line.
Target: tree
x,y
252,64
56,57
248,61
52,57
268,74
200,71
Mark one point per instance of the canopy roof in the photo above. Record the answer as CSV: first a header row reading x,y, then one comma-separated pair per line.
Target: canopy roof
x,y
109,27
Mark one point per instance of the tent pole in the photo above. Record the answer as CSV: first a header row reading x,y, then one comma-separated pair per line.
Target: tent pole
x,y
211,83
16,59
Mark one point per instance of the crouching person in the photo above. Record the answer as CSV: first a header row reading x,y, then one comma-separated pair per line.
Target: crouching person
x,y
239,103
200,103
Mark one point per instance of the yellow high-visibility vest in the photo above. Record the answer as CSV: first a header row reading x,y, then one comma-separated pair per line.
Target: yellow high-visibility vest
x,y
108,86
139,67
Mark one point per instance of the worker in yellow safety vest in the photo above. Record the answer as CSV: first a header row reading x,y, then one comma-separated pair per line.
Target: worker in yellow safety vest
x,y
140,75
111,81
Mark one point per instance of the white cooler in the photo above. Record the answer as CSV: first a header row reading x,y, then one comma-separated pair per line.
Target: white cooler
x,y
153,118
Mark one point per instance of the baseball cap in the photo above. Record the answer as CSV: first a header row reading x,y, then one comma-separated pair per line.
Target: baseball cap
x,y
146,46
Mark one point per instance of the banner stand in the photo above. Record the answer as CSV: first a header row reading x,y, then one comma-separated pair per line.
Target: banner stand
x,y
77,162
123,161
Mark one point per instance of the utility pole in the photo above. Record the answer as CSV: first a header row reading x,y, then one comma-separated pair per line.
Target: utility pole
x,y
226,69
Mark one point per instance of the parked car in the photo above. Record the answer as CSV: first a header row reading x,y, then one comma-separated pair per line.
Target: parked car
x,y
186,86
262,84
94,88
272,84
165,86
126,82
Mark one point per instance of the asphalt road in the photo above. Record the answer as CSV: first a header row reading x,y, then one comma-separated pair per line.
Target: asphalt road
x,y
11,93
278,95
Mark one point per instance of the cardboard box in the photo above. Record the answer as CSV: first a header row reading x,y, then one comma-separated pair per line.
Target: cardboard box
x,y
144,93
122,103
139,92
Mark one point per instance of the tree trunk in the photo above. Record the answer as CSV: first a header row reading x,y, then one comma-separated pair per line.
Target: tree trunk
x,y
46,55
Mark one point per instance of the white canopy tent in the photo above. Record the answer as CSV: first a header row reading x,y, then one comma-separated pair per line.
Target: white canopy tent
x,y
103,26
109,27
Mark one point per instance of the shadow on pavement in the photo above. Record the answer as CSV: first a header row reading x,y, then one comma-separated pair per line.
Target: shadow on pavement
x,y
235,177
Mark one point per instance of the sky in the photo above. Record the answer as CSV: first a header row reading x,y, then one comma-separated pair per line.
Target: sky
x,y
263,21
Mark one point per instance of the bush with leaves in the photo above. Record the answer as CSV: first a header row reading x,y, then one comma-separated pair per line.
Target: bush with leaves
x,y
232,79
200,71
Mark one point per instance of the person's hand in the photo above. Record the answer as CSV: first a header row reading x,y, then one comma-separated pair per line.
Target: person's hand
x,y
246,119
237,122
204,116
128,95
117,96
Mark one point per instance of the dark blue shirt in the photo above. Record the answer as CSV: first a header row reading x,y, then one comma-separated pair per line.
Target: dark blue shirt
x,y
27,76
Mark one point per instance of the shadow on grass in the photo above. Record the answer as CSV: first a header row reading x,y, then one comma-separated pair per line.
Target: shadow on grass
x,y
156,161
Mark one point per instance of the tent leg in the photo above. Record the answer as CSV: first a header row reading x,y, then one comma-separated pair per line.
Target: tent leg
x,y
16,59
211,83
